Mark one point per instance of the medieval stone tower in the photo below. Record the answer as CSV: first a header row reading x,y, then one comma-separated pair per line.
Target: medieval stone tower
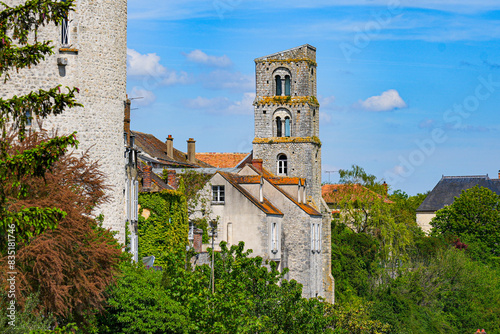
x,y
287,117
287,141
91,54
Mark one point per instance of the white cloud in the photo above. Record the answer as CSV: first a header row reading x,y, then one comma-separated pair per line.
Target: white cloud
x,y
222,105
148,67
324,117
144,64
244,106
325,101
223,79
388,100
200,57
398,170
174,10
142,97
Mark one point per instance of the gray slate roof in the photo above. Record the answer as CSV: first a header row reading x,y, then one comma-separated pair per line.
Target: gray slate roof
x,y
449,187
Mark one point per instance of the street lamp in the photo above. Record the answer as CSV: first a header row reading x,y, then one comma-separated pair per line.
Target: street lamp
x,y
213,227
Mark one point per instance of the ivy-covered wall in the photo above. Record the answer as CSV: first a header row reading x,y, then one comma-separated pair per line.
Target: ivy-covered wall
x,y
165,232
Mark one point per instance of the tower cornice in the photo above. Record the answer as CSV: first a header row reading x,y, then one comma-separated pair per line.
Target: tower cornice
x,y
279,140
286,100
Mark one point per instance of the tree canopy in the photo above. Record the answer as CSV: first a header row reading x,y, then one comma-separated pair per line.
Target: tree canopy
x,y
474,218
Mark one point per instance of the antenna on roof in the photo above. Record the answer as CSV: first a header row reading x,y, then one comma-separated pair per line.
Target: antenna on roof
x,y
329,173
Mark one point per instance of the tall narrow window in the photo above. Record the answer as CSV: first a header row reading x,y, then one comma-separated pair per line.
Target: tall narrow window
x,y
274,238
318,238
29,118
287,126
287,85
128,199
278,85
279,130
191,231
282,165
134,200
65,31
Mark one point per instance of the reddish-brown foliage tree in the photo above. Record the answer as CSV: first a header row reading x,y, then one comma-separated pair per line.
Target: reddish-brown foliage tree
x,y
71,265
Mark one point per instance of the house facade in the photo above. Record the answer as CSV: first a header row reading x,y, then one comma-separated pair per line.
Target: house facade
x,y
272,199
444,194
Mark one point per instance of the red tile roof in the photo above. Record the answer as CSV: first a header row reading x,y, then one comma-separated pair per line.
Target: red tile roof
x,y
222,160
276,181
335,193
265,206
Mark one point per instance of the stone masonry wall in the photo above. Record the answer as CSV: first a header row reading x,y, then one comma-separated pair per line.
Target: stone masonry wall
x,y
97,66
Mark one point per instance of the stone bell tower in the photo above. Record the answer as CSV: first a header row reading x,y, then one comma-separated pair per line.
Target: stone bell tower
x,y
287,117
90,52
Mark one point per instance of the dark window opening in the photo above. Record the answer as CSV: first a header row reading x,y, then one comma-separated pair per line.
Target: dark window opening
x,y
278,127
278,85
287,126
287,85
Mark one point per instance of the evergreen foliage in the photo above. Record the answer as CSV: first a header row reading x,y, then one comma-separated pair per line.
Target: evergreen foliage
x,y
474,218
165,231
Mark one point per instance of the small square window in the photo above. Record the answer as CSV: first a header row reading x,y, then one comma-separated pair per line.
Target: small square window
x,y
218,194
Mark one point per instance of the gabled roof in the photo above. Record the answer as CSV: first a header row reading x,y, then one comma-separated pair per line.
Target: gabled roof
x,y
302,50
335,193
449,187
265,206
222,160
157,150
275,181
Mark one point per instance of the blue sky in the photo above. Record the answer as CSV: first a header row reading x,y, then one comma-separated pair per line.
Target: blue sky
x,y
410,92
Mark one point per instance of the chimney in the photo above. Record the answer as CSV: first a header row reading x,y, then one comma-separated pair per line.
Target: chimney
x,y
385,188
197,240
499,174
126,120
146,177
191,153
172,178
257,163
170,146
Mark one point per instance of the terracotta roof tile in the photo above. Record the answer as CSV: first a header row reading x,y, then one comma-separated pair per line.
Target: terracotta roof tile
x,y
222,160
266,206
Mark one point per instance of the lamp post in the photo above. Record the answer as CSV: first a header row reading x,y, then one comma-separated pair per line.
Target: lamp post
x,y
213,226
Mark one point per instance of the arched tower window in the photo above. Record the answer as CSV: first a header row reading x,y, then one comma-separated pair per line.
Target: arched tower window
x,y
287,126
282,123
282,165
279,130
287,85
278,85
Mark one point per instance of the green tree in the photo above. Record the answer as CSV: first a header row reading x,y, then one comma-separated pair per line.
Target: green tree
x,y
18,51
474,218
364,207
165,230
250,296
450,294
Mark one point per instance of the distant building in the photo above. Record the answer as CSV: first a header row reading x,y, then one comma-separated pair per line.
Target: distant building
x,y
444,194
